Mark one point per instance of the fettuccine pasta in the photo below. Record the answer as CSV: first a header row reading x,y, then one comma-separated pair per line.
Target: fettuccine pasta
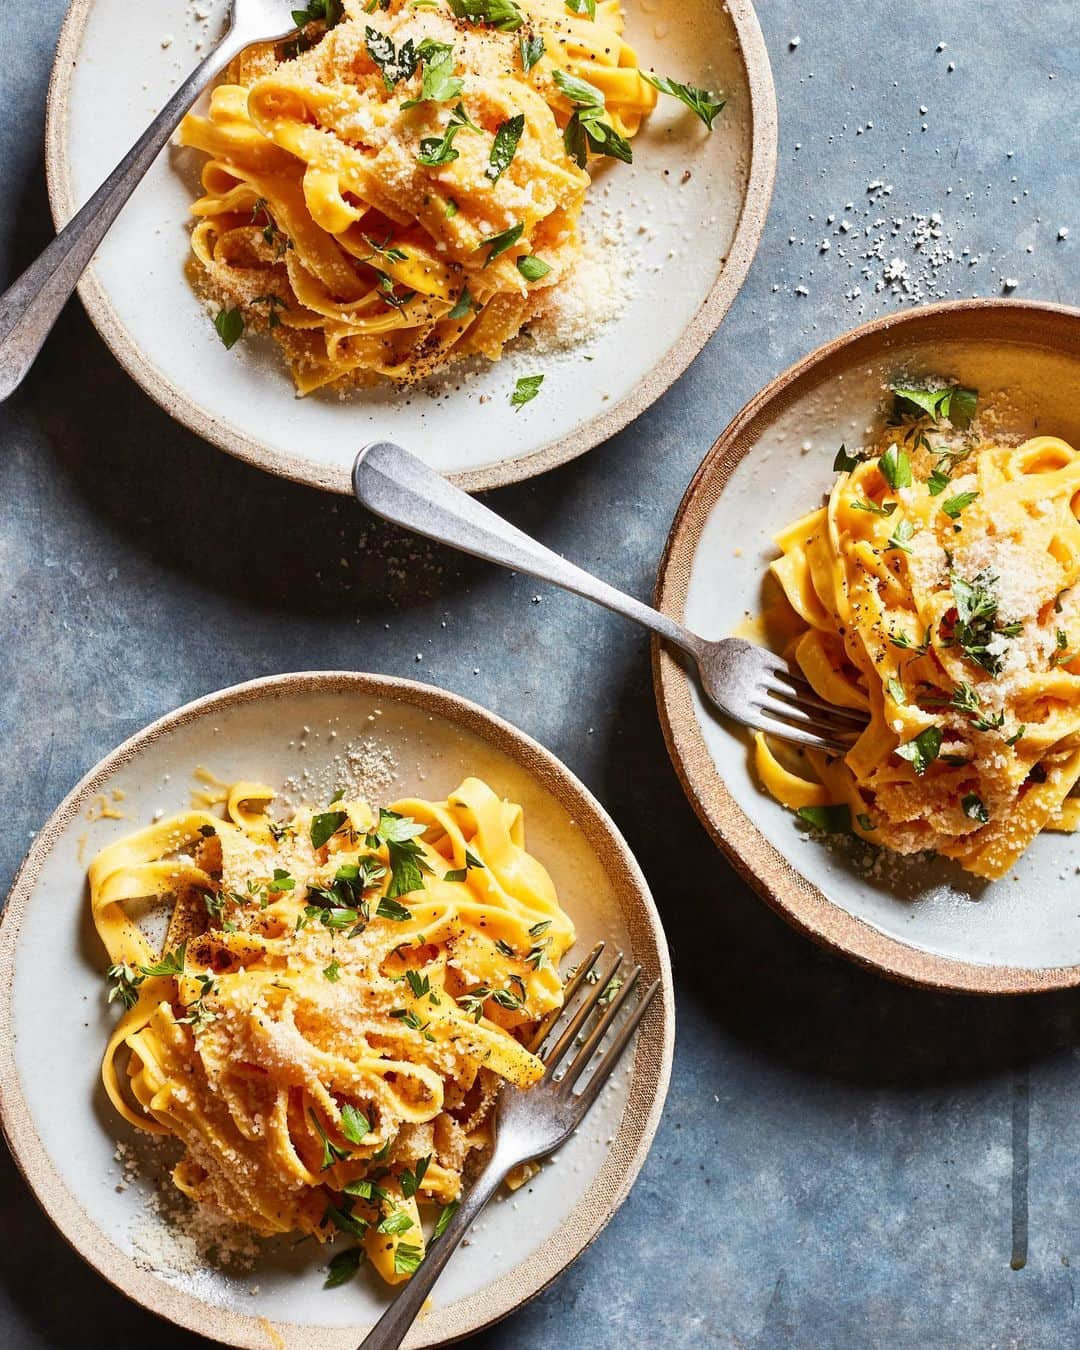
x,y
937,590
405,186
327,1039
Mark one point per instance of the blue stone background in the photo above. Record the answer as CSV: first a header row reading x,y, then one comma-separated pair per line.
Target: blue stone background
x,y
843,1162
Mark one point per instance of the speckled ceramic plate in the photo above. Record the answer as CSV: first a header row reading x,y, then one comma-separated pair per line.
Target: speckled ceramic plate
x,y
305,732
928,923
692,205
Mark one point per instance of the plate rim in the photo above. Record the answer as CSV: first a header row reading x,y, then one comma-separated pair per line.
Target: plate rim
x,y
653,1052
331,478
757,861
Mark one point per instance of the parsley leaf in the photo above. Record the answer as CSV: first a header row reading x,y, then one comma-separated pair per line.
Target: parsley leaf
x,y
440,84
704,104
532,49
354,1124
895,467
397,1222
445,1215
923,750
390,909
526,389
407,1258
900,536
582,7
396,63
230,326
343,1267
896,691
885,509
955,505
844,463
938,481
532,268
501,14
324,825
407,863
412,1181
976,620
974,808
827,819
504,146
331,1152
955,402
585,130
462,306
436,150
499,243
333,971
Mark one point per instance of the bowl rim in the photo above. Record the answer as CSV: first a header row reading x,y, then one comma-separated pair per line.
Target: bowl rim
x,y
754,858
625,1156
336,478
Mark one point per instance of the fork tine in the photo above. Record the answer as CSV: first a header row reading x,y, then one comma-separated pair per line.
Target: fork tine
x,y
796,735
581,1060
613,1053
570,988
554,1056
857,716
802,717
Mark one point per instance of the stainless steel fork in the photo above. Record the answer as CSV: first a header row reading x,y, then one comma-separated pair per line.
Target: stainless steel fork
x,y
531,1124
746,682
30,307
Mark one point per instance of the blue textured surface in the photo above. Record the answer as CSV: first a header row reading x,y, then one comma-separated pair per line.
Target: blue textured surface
x,y
843,1162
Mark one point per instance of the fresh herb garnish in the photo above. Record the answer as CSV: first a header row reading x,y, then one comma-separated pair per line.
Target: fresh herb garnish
x,y
462,306
407,1257
343,1267
864,822
702,102
504,146
954,505
938,481
532,268
230,326
355,1126
332,972
407,862
274,303
411,1181
844,463
976,628
532,49
526,389
387,294
439,84
965,699
501,14
956,403
331,1152
326,824
885,509
895,467
172,963
436,150
396,63
896,690
124,983
499,243
974,808
586,130
907,644
923,750
445,1215
391,253
827,819
397,1222
900,536
390,909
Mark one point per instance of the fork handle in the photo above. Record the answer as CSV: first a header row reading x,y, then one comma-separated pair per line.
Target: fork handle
x,y
393,1326
402,488
32,304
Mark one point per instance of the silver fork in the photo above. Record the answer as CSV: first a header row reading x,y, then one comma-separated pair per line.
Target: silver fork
x,y
746,682
529,1125
30,307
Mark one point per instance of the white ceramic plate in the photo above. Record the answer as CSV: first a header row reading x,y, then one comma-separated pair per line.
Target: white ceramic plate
x,y
933,923
693,249
62,1130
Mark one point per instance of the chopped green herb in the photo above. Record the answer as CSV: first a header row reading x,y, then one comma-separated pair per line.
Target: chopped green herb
x,y
827,819
956,403
895,467
124,981
501,14
844,463
172,963
396,64
390,909
974,808
499,243
439,84
326,824
900,536
354,1124
526,389
407,1257
462,306
586,130
275,303
331,1152
343,1267
532,268
885,509
445,1215
923,750
333,971
412,1181
938,481
532,49
896,690
976,629
955,505
965,698
397,1222
702,102
472,1004
1017,735
504,146
864,821
230,326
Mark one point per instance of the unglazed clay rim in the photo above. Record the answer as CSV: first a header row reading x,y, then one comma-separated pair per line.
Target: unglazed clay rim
x,y
751,223
756,860
647,1087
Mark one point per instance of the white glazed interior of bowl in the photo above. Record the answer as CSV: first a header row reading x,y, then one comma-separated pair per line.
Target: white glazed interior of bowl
x,y
59,965
1030,919
679,232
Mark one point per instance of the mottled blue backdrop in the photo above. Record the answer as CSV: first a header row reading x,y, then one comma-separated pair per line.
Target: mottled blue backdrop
x,y
843,1162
